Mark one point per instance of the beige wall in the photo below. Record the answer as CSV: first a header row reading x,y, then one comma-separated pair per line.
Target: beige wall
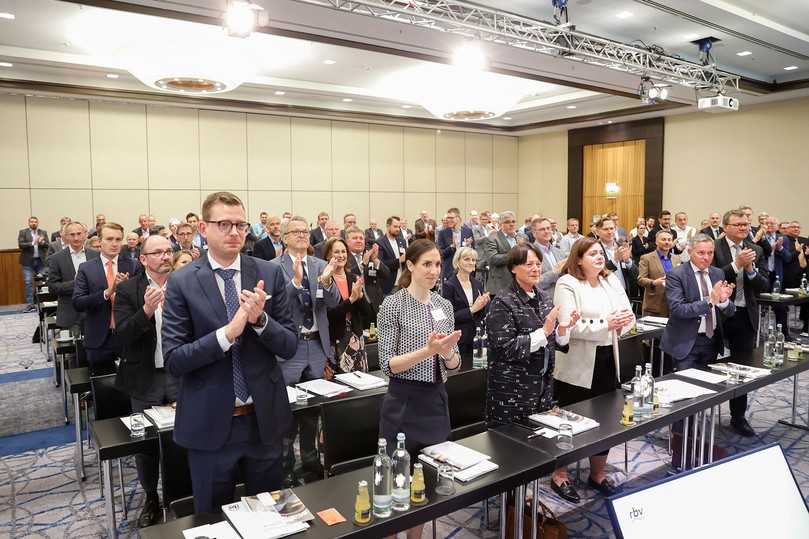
x,y
80,157
756,157
543,176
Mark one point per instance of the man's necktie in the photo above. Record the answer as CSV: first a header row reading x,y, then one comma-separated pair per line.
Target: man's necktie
x,y
705,291
232,305
739,301
306,294
110,281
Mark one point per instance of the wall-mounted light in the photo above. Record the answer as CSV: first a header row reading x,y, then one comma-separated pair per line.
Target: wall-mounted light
x,y
612,189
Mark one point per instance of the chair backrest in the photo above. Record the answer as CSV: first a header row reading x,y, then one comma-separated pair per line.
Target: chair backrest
x,y
633,352
174,469
108,400
372,351
350,429
466,393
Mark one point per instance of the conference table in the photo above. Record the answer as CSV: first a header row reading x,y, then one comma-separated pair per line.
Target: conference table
x,y
524,458
783,300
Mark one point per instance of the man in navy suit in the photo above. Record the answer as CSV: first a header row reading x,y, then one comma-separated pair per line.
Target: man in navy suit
x,y
94,295
272,245
225,320
782,252
449,240
392,252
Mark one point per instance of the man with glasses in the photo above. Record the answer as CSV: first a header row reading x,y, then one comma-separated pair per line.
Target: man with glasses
x,y
226,323
311,290
744,265
142,373
496,251
185,237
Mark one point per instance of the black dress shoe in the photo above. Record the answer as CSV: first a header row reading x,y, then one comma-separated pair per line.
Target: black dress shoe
x,y
742,427
565,491
606,487
150,514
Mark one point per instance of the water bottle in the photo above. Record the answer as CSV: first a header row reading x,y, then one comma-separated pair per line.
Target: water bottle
x,y
477,350
804,285
401,475
484,347
382,481
646,394
778,353
776,286
769,347
637,396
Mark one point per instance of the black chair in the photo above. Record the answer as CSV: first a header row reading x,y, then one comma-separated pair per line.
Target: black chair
x,y
632,352
372,351
174,470
466,393
350,433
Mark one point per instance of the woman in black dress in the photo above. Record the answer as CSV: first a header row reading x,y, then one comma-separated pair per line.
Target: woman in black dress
x,y
467,297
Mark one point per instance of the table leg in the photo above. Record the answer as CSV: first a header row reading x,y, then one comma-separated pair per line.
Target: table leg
x,y
713,428
79,439
758,328
64,386
702,439
693,460
109,499
794,422
684,448
534,507
519,510
503,514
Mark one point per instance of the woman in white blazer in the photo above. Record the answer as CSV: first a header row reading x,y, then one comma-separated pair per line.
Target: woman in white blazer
x,y
591,366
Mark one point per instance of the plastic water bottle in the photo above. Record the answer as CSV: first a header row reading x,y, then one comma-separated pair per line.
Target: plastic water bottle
x,y
776,286
401,475
804,285
637,396
382,481
477,350
778,353
769,347
646,394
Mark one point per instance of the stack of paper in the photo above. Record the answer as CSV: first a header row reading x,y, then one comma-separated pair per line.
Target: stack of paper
x,y
161,416
473,472
361,380
292,395
654,320
220,530
705,376
677,390
556,416
324,388
268,516
747,372
456,455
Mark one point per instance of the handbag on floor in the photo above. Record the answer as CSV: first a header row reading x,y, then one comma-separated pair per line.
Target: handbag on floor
x,y
548,526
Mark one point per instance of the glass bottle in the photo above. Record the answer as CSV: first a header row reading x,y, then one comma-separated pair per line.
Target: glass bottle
x,y
778,352
484,346
769,347
637,395
362,505
650,394
418,490
382,481
477,350
646,394
372,332
804,286
627,413
655,401
776,286
401,475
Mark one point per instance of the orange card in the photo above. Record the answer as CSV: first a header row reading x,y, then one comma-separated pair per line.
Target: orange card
x,y
331,516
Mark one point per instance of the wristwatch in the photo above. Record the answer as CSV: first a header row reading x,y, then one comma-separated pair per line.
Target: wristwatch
x,y
261,322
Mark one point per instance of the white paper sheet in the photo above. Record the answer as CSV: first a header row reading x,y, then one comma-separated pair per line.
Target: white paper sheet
x,y
361,380
324,388
220,530
704,376
677,390
455,455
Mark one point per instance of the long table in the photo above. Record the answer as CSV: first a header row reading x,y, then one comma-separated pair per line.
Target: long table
x,y
765,301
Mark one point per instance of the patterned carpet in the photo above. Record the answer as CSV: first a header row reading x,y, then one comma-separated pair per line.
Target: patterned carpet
x,y
40,497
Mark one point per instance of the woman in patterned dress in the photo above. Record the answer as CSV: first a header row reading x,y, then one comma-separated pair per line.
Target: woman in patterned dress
x,y
523,334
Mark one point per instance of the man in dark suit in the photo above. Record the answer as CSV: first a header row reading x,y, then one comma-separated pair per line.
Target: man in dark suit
x,y
142,374
318,234
744,265
373,233
663,223
272,245
714,228
618,257
143,230
449,240
226,319
33,244
366,264
496,252
392,253
62,269
58,234
94,294
131,249
781,254
332,230
424,227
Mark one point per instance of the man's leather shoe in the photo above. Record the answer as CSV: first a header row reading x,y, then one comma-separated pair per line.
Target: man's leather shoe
x,y
150,514
742,427
606,487
565,491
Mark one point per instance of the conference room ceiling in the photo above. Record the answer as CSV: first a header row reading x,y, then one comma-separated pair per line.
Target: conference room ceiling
x,y
337,63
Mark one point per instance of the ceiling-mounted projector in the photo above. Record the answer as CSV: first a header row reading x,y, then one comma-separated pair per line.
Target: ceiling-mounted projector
x,y
718,103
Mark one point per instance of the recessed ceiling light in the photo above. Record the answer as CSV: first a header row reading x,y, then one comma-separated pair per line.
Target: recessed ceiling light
x,y
691,37
347,100
407,106
744,53
112,75
6,64
609,121
329,62
9,16
790,68
624,14
279,92
571,107
506,117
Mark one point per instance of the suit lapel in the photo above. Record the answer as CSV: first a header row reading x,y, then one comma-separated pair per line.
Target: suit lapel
x,y
660,271
207,282
286,265
249,273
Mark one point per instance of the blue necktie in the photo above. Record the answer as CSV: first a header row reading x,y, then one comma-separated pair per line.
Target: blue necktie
x,y
306,297
232,305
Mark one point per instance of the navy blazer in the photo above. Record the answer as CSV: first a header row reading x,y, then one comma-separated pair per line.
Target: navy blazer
x,y
192,312
686,307
464,319
754,286
88,297
61,275
390,259
447,248
264,249
782,257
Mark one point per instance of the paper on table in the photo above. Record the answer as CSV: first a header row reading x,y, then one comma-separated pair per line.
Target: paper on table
x,y
705,376
473,472
455,455
677,390
292,395
125,420
220,530
361,380
656,320
324,388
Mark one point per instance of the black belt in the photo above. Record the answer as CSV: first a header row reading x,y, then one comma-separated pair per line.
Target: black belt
x,y
310,336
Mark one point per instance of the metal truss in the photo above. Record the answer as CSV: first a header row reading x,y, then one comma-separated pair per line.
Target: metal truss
x,y
470,20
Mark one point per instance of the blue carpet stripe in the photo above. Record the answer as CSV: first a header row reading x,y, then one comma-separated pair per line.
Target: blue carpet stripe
x,y
39,439
21,376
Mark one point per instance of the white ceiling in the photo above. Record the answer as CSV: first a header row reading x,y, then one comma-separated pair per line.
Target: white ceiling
x,y
67,43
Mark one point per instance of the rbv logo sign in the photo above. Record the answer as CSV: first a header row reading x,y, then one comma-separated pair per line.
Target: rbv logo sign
x,y
636,514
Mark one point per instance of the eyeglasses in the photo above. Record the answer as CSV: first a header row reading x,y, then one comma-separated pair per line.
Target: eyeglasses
x,y
739,225
226,226
298,232
167,252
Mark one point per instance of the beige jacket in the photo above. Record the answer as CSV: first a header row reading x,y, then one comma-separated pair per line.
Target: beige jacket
x,y
576,366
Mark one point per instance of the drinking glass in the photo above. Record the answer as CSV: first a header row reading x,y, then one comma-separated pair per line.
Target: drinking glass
x,y
301,396
446,480
663,396
564,438
137,425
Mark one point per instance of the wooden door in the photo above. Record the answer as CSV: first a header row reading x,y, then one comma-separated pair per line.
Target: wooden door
x,y
622,163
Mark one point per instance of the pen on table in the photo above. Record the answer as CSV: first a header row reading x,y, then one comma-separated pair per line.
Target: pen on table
x,y
355,373
534,434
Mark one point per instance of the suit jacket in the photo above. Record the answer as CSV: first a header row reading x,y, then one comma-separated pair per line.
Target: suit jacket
x,y
143,231
362,314
26,244
708,231
192,312
793,273
630,274
654,297
391,260
137,336
88,297
759,283
373,283
264,249
132,254
464,319
640,247
548,278
369,236
496,250
61,275
331,296
56,245
447,248
316,235
686,308
781,258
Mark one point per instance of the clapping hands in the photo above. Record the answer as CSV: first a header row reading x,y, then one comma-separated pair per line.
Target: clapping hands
x,y
443,343
721,292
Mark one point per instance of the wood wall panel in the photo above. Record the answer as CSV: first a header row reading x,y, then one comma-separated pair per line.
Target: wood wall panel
x,y
12,290
619,162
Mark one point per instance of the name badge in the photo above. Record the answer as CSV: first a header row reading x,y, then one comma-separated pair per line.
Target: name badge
x,y
319,293
372,272
438,315
401,250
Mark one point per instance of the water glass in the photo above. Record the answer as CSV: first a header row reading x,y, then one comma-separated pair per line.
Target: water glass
x,y
64,335
301,396
564,438
663,396
137,425
446,480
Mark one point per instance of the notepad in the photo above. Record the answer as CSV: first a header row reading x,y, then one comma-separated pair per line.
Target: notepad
x,y
456,455
220,530
473,472
361,380
324,388
704,376
654,320
677,390
161,416
556,416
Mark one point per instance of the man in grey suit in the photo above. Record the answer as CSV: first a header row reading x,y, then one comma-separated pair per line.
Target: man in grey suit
x,y
311,290
33,244
552,257
62,268
496,250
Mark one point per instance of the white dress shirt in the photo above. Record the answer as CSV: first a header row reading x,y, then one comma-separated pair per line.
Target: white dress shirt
x,y
158,324
709,285
77,257
395,247
739,301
